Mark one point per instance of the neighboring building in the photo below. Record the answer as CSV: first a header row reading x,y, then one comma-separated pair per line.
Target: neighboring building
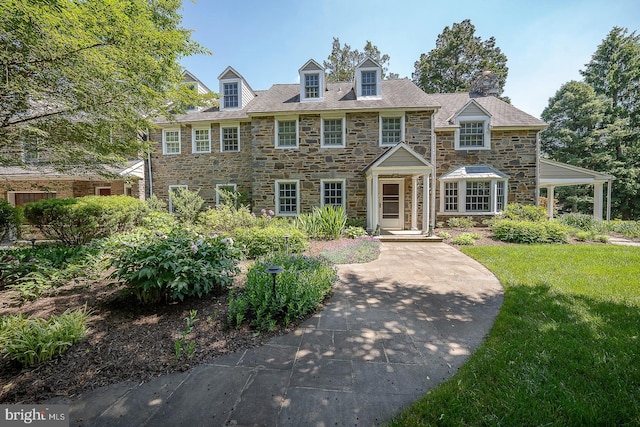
x,y
383,149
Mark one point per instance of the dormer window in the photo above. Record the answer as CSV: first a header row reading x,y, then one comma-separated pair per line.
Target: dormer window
x,y
471,134
230,95
368,80
311,82
369,83
474,127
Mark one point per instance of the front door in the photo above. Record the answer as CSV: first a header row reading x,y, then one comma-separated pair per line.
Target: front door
x,y
391,196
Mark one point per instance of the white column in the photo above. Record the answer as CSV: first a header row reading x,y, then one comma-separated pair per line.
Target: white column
x,y
609,200
597,200
550,202
426,205
414,202
375,213
369,203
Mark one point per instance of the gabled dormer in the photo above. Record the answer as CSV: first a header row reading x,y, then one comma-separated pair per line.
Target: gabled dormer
x,y
368,80
235,92
474,127
312,82
195,84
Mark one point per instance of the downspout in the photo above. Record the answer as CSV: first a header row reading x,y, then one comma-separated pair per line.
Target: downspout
x,y
432,208
537,202
149,167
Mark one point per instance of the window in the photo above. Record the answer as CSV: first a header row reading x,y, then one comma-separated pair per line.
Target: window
x,y
312,85
31,151
21,198
171,141
478,196
391,130
201,138
287,198
500,199
332,192
333,134
369,82
229,139
473,133
230,188
172,190
287,133
451,196
231,99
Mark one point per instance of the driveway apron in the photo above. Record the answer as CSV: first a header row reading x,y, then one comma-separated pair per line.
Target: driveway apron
x,y
393,329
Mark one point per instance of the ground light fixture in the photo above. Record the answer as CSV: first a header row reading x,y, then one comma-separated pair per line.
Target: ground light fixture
x,y
274,270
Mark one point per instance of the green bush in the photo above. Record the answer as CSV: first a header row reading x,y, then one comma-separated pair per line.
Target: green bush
x,y
10,220
187,205
583,236
155,204
518,212
580,221
173,266
159,221
461,223
327,222
444,234
30,341
354,232
259,241
463,239
77,221
629,229
302,285
225,219
356,222
529,232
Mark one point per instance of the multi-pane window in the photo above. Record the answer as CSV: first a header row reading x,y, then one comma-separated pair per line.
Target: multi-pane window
x,y
171,141
201,141
478,196
450,196
287,134
471,134
287,198
173,190
333,193
500,196
22,198
391,130
312,86
332,135
369,83
230,140
231,95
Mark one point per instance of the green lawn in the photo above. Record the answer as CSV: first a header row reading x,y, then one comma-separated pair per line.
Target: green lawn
x,y
565,348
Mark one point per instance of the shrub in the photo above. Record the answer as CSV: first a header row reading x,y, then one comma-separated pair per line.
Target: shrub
x,y
327,222
260,241
10,220
77,221
224,219
356,222
354,232
30,341
444,234
583,236
187,205
518,212
630,229
463,239
461,223
302,285
159,221
176,265
602,238
580,221
155,204
529,231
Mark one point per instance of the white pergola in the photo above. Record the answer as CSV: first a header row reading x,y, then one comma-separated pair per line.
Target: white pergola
x,y
556,174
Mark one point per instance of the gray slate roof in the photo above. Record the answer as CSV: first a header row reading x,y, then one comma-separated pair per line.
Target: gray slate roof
x,y
502,113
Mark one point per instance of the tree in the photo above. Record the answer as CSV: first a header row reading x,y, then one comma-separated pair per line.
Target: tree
x,y
458,58
81,77
342,62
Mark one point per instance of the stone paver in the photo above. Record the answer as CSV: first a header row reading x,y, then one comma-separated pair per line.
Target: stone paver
x,y
393,329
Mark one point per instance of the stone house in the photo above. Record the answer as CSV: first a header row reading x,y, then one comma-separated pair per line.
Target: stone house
x,y
383,149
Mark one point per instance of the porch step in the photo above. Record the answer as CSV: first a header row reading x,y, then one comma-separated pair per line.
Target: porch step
x,y
418,238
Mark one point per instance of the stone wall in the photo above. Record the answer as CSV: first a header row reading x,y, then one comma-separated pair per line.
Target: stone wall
x,y
65,188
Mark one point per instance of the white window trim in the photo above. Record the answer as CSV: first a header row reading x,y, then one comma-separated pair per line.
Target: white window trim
x,y
219,186
226,126
164,141
277,133
193,139
378,72
97,190
462,197
344,191
175,187
277,196
486,123
344,131
402,127
227,81
303,92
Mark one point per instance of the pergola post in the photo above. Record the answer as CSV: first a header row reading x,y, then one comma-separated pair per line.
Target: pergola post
x,y
597,200
414,202
550,201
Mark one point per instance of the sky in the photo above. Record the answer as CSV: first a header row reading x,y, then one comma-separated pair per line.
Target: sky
x,y
547,42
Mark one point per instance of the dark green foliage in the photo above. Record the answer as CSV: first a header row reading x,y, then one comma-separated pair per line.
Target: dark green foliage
x,y
518,212
187,205
327,222
77,221
529,232
302,285
259,241
176,265
10,220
